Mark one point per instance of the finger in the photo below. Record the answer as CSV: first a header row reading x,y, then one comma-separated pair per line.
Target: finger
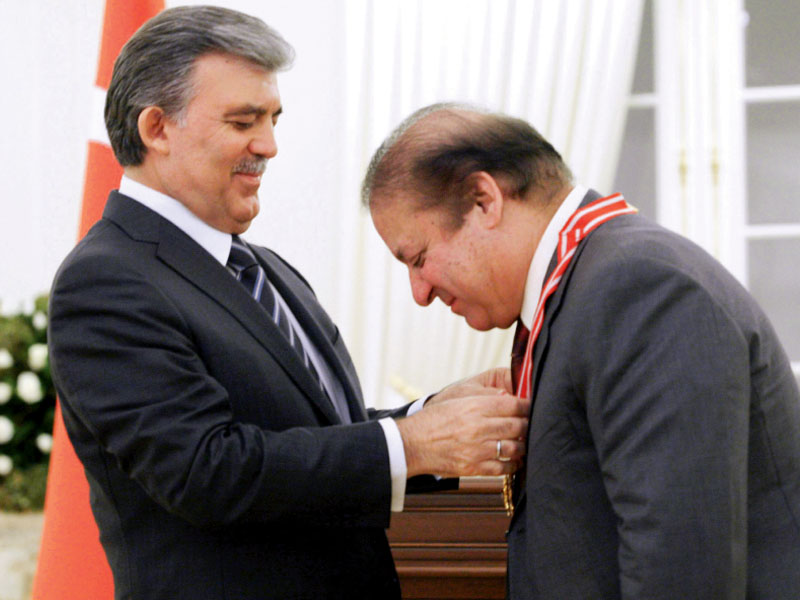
x,y
496,467
486,431
507,382
517,428
510,450
483,390
500,377
502,428
518,406
478,386
502,405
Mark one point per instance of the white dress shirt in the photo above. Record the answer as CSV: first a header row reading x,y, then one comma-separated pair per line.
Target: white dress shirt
x,y
218,244
544,253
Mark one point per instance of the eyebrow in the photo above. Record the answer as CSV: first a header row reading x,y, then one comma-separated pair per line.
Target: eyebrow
x,y
251,110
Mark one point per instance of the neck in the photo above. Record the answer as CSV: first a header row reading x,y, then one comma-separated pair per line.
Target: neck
x,y
144,175
535,213
524,223
539,208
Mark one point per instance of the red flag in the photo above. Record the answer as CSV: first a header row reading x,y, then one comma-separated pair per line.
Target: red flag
x,y
122,19
72,564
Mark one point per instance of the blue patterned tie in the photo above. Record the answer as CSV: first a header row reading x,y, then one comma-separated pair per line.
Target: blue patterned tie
x,y
243,265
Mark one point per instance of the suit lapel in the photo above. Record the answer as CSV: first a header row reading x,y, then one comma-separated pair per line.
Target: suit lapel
x,y
278,274
191,261
554,302
543,341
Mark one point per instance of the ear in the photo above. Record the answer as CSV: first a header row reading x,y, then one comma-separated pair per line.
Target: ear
x,y
152,124
487,197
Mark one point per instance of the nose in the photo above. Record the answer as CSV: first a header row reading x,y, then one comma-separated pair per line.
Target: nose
x,y
263,142
420,289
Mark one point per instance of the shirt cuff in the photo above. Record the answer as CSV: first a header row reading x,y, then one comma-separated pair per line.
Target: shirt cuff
x,y
417,406
397,462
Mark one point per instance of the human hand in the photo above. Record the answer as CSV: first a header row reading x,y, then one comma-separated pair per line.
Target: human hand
x,y
489,382
454,439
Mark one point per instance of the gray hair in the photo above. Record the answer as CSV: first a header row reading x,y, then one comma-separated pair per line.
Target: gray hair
x,y
155,66
430,155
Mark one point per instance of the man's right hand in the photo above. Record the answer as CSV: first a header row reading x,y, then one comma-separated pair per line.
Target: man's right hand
x,y
459,438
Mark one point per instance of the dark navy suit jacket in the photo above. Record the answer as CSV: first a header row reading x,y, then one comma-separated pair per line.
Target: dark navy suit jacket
x,y
217,467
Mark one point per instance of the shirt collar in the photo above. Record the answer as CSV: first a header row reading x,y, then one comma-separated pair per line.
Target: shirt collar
x,y
217,243
544,253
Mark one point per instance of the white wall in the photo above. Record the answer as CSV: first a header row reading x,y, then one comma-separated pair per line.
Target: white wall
x,y
48,55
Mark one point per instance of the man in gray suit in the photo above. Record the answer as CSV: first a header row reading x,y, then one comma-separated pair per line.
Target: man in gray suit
x,y
664,441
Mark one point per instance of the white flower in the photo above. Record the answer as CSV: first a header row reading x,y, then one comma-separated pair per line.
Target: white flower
x,y
6,465
5,392
39,320
37,356
6,430
7,310
28,306
44,441
29,388
6,360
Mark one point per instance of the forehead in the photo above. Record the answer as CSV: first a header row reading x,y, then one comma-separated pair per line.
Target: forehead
x,y
223,79
405,228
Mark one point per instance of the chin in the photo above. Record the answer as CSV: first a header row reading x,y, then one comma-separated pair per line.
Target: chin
x,y
480,323
243,216
255,207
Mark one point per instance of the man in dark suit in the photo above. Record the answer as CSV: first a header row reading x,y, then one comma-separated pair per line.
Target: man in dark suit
x,y
664,443
220,422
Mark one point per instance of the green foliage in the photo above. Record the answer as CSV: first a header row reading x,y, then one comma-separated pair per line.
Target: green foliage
x,y
27,406
23,489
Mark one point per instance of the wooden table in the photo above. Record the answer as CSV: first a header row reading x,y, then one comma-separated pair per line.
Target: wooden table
x,y
451,545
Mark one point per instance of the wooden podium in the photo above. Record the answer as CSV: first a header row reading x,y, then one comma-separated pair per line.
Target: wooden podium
x,y
451,545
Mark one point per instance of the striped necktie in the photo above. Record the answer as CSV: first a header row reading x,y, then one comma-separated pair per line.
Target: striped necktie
x,y
518,349
243,265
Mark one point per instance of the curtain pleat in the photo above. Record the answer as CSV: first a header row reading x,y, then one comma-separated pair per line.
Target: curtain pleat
x,y
565,66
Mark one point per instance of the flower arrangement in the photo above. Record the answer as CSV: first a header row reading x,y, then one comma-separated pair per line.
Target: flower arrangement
x,y
27,398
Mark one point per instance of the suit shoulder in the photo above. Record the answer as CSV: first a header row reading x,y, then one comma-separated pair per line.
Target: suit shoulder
x,y
633,243
628,260
105,252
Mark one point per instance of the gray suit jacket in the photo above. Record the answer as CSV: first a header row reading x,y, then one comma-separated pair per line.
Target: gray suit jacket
x,y
217,467
664,447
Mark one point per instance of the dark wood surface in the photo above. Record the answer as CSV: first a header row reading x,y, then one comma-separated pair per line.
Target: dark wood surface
x,y
451,545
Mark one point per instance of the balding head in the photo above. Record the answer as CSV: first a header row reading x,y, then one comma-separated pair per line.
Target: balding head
x,y
428,158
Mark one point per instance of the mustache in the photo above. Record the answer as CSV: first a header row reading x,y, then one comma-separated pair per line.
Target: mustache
x,y
251,166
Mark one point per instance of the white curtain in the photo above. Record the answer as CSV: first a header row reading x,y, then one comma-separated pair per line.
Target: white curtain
x,y
563,65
